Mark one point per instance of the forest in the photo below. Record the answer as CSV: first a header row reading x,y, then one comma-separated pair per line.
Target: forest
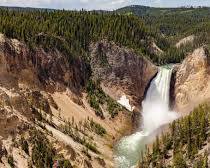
x,y
136,28
179,147
71,32
174,24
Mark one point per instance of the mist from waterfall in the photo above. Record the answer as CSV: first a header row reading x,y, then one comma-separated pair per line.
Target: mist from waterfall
x,y
155,114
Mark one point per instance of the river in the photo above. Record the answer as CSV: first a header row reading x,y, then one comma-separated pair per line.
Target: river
x,y
155,114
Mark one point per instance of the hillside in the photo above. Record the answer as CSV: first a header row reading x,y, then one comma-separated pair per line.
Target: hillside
x,y
52,108
185,144
72,84
44,115
188,20
72,32
52,61
174,24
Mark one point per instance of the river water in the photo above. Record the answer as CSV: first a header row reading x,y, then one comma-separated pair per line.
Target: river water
x,y
155,114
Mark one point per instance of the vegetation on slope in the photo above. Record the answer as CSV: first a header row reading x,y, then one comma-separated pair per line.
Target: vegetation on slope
x,y
97,98
176,54
79,134
174,24
172,21
43,153
71,32
180,147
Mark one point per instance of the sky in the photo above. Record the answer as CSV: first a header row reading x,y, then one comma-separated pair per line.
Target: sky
x,y
101,4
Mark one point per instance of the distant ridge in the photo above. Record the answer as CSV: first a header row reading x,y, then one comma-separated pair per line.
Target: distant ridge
x,y
136,9
157,11
26,8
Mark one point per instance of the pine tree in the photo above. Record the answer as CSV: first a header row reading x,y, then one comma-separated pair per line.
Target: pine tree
x,y
179,161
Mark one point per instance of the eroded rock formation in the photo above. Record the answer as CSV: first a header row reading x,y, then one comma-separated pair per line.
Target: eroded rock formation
x,y
192,84
45,90
38,69
121,71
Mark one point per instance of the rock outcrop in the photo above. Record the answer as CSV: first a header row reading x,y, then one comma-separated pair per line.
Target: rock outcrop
x,y
154,49
44,90
38,69
185,41
121,71
192,81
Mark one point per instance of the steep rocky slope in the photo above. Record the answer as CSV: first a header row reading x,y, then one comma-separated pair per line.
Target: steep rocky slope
x,y
192,85
186,40
44,103
154,49
121,71
38,69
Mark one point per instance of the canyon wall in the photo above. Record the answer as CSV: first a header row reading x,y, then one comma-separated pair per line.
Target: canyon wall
x,y
121,71
45,90
192,81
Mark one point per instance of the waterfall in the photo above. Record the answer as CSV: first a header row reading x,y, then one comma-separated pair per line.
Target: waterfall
x,y
155,114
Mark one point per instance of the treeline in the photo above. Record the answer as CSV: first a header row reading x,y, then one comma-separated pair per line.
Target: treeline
x,y
71,31
171,21
180,146
174,24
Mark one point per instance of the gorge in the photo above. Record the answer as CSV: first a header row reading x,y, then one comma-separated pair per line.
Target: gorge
x,y
155,113
97,89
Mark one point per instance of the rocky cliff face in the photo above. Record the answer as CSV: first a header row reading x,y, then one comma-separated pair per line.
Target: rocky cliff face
x,y
121,71
45,91
38,69
192,84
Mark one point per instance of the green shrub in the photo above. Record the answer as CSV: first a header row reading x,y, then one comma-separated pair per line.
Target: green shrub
x,y
24,145
97,98
42,150
64,164
66,129
97,128
179,161
11,161
91,147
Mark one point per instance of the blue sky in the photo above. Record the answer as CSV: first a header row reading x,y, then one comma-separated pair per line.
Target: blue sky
x,y
101,4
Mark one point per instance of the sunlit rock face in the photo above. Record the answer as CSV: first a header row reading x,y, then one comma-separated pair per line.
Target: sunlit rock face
x,y
39,87
192,84
121,71
185,41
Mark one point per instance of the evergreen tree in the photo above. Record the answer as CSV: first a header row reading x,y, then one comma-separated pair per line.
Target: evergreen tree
x,y
179,161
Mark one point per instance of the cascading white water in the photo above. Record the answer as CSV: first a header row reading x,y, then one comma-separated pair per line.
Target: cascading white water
x,y
155,114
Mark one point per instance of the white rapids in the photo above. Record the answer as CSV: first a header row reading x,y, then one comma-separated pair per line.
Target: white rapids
x,y
155,114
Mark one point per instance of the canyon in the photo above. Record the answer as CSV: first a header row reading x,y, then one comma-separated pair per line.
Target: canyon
x,y
41,89
38,83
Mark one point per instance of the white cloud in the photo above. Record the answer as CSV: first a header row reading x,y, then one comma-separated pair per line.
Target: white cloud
x,y
99,4
157,3
25,2
69,4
